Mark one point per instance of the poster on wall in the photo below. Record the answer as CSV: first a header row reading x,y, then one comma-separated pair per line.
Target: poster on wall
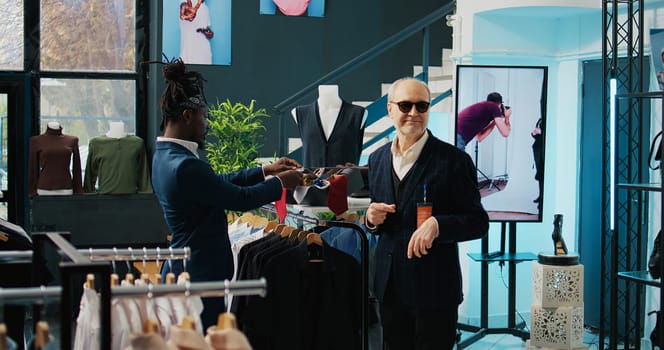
x,y
198,31
294,8
657,55
501,123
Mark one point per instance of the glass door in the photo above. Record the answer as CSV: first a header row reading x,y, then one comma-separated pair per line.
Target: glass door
x,y
13,148
4,154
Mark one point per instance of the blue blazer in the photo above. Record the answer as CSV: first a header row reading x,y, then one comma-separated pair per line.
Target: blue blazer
x,y
194,199
433,281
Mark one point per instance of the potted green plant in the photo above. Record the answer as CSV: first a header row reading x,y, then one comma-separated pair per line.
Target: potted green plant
x,y
236,131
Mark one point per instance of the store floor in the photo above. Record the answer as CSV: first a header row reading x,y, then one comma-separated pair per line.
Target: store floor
x,y
509,342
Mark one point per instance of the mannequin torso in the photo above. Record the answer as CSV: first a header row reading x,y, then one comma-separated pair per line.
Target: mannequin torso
x,y
51,156
116,130
331,129
329,105
53,125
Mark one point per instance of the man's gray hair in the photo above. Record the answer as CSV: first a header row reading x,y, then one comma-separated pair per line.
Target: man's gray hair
x,y
397,82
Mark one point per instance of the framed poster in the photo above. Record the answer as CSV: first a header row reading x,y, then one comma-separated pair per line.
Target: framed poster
x,y
294,8
198,31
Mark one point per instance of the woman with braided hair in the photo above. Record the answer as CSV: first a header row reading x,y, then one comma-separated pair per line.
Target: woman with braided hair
x,y
193,197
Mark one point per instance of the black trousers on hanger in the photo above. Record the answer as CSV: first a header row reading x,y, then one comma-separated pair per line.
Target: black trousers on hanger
x,y
407,328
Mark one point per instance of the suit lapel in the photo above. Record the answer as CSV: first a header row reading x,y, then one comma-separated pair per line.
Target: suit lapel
x,y
385,167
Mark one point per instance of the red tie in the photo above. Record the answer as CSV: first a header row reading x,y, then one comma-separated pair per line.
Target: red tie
x,y
280,205
337,194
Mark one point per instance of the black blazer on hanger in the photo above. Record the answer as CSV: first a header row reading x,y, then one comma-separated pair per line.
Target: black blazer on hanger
x,y
309,306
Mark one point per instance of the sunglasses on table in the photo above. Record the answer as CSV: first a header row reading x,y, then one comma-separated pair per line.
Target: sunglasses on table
x,y
407,106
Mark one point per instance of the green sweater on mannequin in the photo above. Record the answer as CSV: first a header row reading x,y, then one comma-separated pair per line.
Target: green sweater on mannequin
x,y
119,166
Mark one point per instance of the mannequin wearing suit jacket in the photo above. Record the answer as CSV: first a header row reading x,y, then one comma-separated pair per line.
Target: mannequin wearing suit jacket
x,y
418,276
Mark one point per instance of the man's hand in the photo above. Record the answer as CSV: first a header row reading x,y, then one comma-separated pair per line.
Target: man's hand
x,y
282,164
422,238
377,212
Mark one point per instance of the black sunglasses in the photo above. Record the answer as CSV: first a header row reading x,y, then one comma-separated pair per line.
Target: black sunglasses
x,y
407,106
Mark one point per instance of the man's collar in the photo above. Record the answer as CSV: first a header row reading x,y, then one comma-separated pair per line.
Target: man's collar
x,y
191,146
416,147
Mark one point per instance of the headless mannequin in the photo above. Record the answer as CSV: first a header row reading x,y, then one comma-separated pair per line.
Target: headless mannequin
x,y
329,105
331,129
53,125
116,130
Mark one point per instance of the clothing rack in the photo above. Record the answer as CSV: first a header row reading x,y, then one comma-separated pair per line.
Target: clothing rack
x,y
80,264
202,289
16,254
364,266
96,254
27,296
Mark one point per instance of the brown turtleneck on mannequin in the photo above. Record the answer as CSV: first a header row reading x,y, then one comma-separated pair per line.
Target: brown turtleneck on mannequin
x,y
51,154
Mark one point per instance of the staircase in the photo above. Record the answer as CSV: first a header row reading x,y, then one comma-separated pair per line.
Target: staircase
x,y
379,129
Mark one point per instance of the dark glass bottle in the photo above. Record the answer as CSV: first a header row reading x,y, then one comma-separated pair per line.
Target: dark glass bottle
x,y
559,246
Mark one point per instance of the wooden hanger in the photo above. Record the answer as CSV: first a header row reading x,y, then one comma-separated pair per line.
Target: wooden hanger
x,y
226,320
115,279
129,277
259,221
170,278
302,235
314,238
188,323
42,336
145,278
89,281
286,231
279,228
294,234
157,278
270,226
246,217
185,276
314,247
3,336
150,326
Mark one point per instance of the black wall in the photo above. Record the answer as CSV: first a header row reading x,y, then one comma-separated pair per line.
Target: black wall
x,y
274,57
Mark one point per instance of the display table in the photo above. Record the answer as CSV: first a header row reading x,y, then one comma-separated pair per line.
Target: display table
x,y
556,314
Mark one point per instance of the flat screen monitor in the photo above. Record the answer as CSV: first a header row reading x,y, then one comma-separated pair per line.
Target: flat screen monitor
x,y
500,122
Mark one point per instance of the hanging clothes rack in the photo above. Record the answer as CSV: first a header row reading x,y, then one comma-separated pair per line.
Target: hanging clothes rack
x,y
110,254
364,266
16,254
28,295
79,264
201,289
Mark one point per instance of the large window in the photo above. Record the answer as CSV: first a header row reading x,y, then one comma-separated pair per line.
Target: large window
x,y
84,107
76,37
11,40
90,35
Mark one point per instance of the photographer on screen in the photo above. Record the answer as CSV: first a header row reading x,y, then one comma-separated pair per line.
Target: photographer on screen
x,y
479,119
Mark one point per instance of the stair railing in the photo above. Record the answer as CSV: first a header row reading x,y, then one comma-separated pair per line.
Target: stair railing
x,y
422,25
